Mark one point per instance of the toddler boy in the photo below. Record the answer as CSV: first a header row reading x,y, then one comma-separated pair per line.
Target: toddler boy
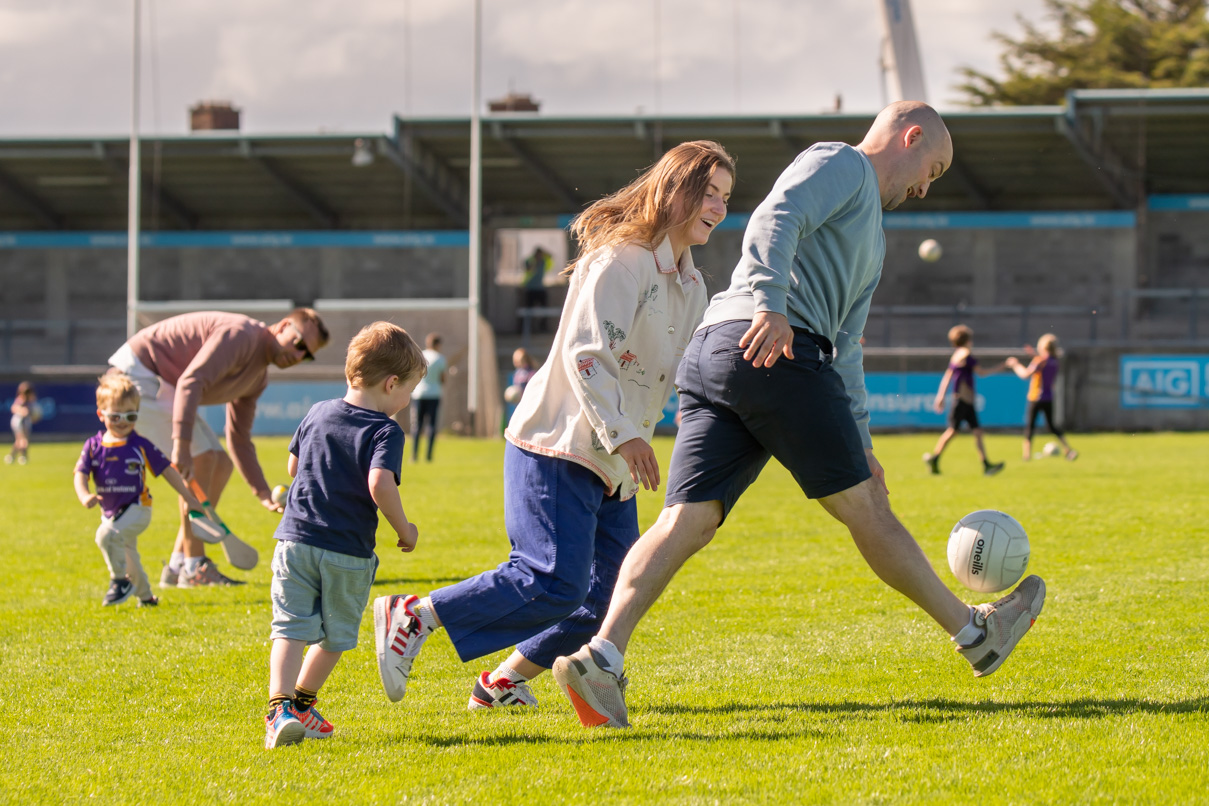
x,y
118,459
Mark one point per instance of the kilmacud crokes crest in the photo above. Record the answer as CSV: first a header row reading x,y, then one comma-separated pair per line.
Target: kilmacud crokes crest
x,y
615,333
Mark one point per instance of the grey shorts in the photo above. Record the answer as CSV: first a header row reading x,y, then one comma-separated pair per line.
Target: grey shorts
x,y
733,417
319,595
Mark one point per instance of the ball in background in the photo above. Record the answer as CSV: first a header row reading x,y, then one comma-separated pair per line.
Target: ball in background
x,y
988,551
513,394
930,251
279,494
1051,449
35,413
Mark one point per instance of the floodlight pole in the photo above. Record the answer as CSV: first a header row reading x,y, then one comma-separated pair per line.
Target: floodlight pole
x,y
132,206
476,214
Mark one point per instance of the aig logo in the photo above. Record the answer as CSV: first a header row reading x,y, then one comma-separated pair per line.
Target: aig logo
x,y
1164,381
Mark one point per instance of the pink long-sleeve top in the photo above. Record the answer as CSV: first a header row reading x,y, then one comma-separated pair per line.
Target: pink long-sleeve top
x,y
213,358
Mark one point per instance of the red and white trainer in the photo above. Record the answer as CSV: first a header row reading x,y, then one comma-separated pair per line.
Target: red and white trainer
x,y
316,726
398,635
497,693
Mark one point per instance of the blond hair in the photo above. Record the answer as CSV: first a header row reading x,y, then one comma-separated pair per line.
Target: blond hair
x,y
116,387
379,351
666,196
1048,344
960,335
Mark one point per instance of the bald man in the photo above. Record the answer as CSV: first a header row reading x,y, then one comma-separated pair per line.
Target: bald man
x,y
775,370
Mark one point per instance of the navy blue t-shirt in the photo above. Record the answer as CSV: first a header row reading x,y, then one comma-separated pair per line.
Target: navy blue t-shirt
x,y
329,505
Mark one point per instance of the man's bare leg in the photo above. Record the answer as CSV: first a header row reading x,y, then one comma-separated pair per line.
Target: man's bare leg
x,y
893,554
680,532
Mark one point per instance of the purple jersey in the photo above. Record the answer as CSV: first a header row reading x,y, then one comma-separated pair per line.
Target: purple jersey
x,y
963,375
1041,385
119,469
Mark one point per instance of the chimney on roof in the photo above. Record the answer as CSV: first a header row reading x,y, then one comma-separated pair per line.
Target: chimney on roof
x,y
213,115
514,102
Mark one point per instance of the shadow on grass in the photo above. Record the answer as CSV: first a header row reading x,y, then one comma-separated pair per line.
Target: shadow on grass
x,y
922,711
428,583
936,710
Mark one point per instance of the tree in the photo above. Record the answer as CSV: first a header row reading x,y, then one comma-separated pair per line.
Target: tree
x,y
1098,44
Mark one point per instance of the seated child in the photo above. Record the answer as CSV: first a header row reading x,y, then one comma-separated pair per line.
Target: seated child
x,y
345,460
118,459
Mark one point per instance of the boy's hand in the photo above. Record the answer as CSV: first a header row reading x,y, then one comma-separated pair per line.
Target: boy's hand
x,y
1011,361
272,506
91,501
408,538
939,405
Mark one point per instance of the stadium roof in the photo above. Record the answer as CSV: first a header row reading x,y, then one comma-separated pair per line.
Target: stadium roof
x,y
1102,150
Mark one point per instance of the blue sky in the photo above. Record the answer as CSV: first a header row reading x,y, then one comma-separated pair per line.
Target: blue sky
x,y
312,65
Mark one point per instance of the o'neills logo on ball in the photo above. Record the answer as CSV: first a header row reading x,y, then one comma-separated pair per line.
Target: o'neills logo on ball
x,y
976,564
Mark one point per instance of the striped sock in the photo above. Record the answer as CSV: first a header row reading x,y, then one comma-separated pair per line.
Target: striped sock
x,y
304,698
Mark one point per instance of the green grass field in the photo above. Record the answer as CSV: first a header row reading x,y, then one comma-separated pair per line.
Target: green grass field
x,y
776,668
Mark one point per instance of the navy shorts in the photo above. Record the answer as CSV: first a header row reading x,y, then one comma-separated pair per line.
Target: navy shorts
x,y
962,412
734,416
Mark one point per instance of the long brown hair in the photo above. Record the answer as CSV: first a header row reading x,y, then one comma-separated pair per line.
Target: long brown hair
x,y
647,209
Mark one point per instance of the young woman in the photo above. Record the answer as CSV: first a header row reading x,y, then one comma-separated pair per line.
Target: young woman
x,y
579,442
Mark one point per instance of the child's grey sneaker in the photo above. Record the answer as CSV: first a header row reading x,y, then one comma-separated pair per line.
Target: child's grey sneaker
x,y
1005,622
119,591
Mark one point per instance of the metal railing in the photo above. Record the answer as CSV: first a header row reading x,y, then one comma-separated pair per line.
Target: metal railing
x,y
26,342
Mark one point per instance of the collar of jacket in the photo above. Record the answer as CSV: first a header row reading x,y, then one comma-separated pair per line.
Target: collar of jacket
x,y
665,261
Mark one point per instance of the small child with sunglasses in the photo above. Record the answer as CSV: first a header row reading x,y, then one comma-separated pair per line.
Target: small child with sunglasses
x,y
118,459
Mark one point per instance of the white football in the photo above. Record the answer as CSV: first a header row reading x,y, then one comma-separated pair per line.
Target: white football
x,y
513,394
930,250
988,551
1051,449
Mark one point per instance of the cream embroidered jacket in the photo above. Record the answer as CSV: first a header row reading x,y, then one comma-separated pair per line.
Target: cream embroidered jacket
x,y
628,316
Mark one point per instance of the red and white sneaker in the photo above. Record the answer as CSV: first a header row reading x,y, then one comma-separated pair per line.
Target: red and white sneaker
x,y
500,692
398,635
316,726
282,726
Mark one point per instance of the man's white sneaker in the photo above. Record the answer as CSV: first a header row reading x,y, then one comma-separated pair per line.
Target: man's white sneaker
x,y
398,635
490,693
1005,622
597,695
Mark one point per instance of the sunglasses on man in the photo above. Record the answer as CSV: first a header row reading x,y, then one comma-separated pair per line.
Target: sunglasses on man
x,y
300,345
119,416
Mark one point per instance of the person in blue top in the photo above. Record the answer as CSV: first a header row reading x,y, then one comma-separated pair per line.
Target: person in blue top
x,y
959,379
775,370
345,460
427,396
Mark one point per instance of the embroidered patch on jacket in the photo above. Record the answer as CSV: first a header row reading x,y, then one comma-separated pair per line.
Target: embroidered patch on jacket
x,y
615,333
588,368
626,359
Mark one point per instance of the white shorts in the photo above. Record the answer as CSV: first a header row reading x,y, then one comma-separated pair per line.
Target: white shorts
x,y
155,408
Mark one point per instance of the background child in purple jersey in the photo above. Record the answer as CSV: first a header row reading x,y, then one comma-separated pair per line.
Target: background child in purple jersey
x,y
959,379
1041,373
118,459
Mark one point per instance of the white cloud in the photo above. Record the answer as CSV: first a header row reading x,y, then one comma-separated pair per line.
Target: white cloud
x,y
303,65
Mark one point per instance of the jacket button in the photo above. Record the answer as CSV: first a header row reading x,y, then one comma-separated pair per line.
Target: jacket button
x,y
671,328
613,434
646,423
661,377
